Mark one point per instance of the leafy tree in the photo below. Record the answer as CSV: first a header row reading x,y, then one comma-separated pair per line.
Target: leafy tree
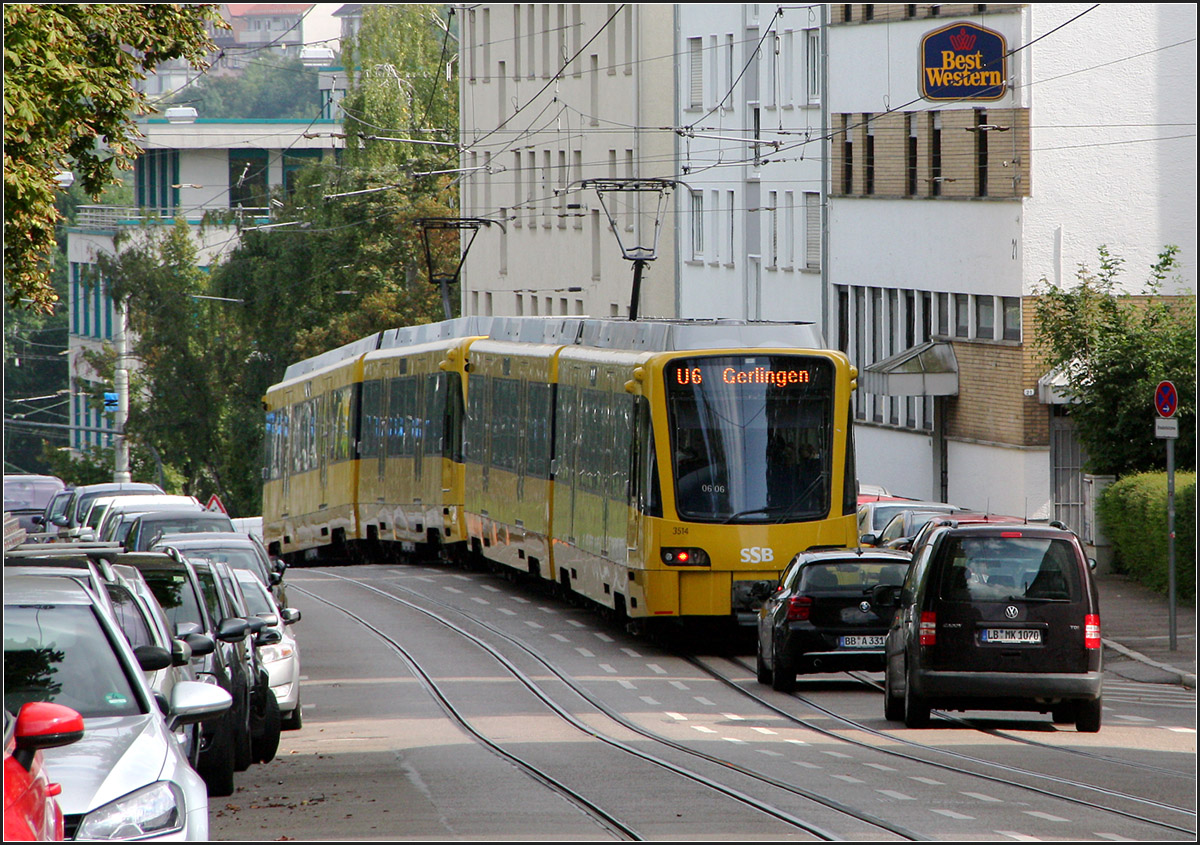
x,y
69,74
273,87
1114,349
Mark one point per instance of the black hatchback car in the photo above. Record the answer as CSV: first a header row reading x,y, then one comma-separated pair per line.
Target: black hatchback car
x,y
822,616
997,617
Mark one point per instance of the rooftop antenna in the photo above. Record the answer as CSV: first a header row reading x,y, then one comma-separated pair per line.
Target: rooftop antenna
x,y
443,224
640,221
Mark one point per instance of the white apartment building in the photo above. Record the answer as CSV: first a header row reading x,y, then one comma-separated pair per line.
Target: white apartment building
x,y
751,152
186,169
553,95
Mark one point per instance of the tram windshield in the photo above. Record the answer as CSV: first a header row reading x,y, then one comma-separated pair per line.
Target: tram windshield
x,y
751,437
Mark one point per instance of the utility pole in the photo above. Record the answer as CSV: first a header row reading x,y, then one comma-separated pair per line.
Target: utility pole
x,y
121,383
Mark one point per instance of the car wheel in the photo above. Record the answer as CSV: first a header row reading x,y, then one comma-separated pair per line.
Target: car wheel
x,y
1064,714
760,668
916,708
216,766
1087,717
293,721
893,705
266,741
783,676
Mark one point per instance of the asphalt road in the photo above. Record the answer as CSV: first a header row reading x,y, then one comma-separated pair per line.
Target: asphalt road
x,y
442,703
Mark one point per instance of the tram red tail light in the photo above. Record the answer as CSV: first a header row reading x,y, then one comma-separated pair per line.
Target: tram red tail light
x,y
799,608
1091,630
685,557
928,631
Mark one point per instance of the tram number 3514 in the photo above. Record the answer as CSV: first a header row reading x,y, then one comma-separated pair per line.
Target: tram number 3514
x,y
758,554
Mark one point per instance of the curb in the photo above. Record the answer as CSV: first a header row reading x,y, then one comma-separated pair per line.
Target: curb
x,y
1185,679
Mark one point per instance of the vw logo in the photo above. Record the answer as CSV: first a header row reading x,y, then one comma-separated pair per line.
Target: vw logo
x,y
864,606
1011,612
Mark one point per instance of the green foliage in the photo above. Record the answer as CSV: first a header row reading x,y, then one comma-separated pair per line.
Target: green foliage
x,y
273,87
1133,511
69,74
1114,350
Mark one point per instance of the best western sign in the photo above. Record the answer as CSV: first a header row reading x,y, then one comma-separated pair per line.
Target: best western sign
x,y
963,61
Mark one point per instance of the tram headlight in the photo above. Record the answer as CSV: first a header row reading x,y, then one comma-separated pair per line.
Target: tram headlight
x,y
685,557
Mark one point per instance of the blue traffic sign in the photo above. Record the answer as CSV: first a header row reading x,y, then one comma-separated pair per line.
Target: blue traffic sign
x,y
1166,399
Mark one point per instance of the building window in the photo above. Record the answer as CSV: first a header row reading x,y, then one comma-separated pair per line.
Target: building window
x,y
813,65
985,317
981,153
729,218
697,225
869,156
943,309
248,179
962,315
1011,315
789,229
910,185
847,157
773,229
935,154
695,73
812,230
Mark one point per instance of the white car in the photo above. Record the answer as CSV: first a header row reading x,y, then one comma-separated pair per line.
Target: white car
x,y
128,778
280,657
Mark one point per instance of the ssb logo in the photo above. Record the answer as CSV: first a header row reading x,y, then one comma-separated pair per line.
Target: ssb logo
x,y
758,554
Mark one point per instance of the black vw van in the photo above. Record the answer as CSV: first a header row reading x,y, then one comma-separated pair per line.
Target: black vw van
x,y
996,617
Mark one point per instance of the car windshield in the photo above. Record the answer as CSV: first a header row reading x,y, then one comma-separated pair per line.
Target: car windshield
x,y
851,577
60,653
29,493
751,437
176,596
246,559
1003,568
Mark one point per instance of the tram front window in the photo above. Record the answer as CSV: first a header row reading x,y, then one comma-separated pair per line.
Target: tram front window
x,y
751,437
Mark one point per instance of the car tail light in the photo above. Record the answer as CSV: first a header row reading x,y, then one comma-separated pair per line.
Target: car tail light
x,y
799,608
1091,630
928,630
685,557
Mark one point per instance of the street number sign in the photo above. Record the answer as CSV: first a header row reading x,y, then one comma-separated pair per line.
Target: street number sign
x,y
1166,399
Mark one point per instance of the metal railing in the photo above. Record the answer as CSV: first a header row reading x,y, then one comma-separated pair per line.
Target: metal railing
x,y
101,217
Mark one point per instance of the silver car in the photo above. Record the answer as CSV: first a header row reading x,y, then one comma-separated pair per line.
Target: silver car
x,y
127,778
277,648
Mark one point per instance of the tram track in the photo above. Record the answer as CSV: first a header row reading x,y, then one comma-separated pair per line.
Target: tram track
x,y
724,765
980,762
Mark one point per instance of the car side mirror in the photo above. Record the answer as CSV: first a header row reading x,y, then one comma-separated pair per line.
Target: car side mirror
x,y
290,615
38,519
268,636
885,595
869,539
181,653
275,578
200,644
255,623
278,564
270,618
1092,564
43,724
232,630
152,658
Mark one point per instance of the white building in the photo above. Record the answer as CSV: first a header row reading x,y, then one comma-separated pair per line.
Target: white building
x,y
945,214
186,170
552,95
750,151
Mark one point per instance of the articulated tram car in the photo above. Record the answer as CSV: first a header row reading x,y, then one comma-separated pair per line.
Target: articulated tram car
x,y
662,469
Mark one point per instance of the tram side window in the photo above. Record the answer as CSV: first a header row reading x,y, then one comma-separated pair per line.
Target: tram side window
x,y
453,441
433,418
644,462
622,438
475,429
504,419
565,420
340,409
371,430
537,433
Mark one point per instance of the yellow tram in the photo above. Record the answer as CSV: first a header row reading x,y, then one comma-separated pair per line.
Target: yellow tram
x,y
662,469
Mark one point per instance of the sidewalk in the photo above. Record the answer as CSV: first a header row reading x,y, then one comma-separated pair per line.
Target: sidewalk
x,y
1135,630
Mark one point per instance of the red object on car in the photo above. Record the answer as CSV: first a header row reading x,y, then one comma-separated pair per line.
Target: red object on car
x,y
30,809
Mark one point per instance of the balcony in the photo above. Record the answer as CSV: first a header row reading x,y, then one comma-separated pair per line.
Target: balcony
x,y
109,217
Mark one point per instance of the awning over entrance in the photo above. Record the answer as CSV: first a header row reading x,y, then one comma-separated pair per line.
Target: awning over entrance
x,y
1052,388
926,370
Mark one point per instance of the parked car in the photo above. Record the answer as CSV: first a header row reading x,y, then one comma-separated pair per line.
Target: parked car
x,y
901,530
65,561
43,525
240,551
26,497
149,527
180,593
822,618
31,811
913,545
120,513
68,524
281,655
996,617
873,516
61,646
265,718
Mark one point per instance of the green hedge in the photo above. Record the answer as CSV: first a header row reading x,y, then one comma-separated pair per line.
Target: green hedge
x,y
1133,513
